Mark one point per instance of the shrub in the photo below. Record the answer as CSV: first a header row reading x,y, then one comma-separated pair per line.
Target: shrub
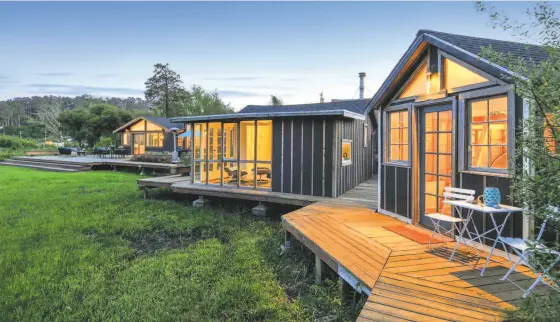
x,y
13,142
105,142
5,155
154,158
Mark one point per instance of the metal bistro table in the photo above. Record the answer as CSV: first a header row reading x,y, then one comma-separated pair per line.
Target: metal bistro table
x,y
475,235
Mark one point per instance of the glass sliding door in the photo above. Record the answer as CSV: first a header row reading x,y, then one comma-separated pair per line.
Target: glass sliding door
x,y
214,152
247,144
230,146
263,165
199,173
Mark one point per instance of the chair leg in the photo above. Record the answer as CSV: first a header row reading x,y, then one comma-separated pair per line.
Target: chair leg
x,y
512,269
434,232
535,283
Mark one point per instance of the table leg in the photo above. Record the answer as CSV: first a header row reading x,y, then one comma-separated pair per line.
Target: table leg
x,y
499,230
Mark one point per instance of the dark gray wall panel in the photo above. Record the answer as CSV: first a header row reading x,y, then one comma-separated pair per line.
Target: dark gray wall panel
x,y
277,155
287,157
390,188
297,157
329,149
318,157
402,194
307,156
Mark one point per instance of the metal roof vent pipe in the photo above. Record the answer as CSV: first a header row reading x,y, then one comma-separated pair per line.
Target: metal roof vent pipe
x,y
362,76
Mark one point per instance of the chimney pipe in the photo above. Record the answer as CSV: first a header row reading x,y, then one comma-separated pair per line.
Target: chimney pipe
x,y
362,76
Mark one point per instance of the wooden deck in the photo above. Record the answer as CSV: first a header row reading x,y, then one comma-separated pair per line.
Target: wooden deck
x,y
405,280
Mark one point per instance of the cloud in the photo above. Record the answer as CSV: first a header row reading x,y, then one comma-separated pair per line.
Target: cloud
x,y
235,79
235,93
63,89
55,74
105,75
4,77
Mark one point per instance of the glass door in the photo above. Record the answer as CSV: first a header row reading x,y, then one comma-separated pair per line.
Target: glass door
x,y
436,160
139,143
214,152
199,153
230,146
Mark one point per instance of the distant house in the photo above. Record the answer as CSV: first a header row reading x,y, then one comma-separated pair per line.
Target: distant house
x,y
150,134
321,149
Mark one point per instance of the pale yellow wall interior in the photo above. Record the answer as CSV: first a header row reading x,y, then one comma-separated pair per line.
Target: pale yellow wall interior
x,y
152,127
346,152
418,85
138,126
456,75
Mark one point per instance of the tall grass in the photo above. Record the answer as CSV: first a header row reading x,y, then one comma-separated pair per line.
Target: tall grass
x,y
14,142
85,246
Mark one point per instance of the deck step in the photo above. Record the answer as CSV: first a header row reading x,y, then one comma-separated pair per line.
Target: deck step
x,y
49,163
44,166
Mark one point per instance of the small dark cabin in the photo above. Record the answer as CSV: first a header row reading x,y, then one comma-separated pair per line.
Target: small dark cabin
x,y
321,149
447,117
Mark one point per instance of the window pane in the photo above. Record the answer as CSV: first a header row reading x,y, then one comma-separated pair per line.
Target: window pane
x,y
230,140
430,185
246,174
395,136
431,163
264,140
431,142
431,122
480,156
443,182
498,133
445,120
404,135
404,152
418,84
444,166
394,154
498,157
445,143
347,151
456,75
394,120
479,133
230,173
404,118
213,173
430,204
264,175
247,140
479,111
498,109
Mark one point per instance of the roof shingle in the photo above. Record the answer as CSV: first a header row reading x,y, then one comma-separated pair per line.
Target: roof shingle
x,y
355,106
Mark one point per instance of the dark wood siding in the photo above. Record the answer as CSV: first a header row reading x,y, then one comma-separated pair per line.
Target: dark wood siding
x,y
361,169
304,165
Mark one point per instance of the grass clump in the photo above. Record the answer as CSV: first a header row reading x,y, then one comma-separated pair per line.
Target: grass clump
x,y
85,246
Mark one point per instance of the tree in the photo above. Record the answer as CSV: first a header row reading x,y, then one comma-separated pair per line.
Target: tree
x,y
163,90
88,125
48,114
200,102
537,184
276,101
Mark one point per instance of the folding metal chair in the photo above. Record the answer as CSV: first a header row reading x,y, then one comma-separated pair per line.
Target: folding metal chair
x,y
439,218
524,249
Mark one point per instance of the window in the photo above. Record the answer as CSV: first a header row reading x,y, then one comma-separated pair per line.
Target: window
x,y
365,135
549,138
488,133
126,139
418,85
398,135
456,76
155,140
346,152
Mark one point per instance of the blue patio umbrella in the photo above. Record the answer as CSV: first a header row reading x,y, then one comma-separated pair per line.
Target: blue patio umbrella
x,y
185,134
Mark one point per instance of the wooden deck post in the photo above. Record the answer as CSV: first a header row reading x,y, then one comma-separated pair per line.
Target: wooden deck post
x,y
146,193
319,270
345,291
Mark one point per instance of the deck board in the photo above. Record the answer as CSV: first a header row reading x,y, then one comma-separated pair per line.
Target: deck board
x,y
406,280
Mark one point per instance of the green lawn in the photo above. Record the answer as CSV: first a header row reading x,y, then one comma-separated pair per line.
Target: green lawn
x,y
86,246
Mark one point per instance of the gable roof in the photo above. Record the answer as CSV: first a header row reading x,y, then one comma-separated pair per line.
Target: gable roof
x,y
465,48
474,45
355,109
163,122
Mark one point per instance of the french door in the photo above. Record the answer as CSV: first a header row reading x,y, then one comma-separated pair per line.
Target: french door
x,y
139,143
436,160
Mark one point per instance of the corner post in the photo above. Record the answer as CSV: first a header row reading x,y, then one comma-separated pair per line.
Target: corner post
x,y
319,270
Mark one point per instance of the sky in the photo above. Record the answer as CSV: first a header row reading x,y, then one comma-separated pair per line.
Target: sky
x,y
245,51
